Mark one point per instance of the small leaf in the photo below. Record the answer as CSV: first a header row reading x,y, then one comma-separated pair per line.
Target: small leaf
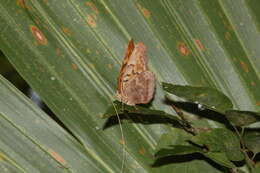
x,y
252,141
210,98
178,150
174,150
242,118
167,141
220,140
174,136
119,108
219,158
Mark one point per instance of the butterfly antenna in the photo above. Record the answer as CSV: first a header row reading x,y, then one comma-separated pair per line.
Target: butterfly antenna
x,y
123,138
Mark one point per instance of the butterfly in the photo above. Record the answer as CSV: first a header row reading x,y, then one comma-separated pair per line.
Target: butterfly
x,y
136,84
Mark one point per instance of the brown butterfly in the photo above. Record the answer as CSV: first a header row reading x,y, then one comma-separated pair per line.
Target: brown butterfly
x,y
136,84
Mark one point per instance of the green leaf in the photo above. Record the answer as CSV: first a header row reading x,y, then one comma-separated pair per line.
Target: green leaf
x,y
175,143
252,141
70,53
207,97
173,137
242,118
166,148
31,141
220,158
177,150
257,168
220,140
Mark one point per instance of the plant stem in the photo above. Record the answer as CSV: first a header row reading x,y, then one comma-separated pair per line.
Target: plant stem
x,y
187,126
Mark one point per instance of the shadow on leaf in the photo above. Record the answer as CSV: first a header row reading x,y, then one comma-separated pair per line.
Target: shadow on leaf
x,y
185,159
141,119
201,112
138,114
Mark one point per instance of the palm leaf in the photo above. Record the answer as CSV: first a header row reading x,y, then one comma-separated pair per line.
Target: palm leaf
x,y
70,53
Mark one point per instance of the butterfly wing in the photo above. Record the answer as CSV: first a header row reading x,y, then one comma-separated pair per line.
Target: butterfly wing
x,y
139,89
128,53
136,84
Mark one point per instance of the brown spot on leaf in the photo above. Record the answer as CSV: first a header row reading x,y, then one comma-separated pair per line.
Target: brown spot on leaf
x,y
58,51
92,6
227,36
36,20
57,157
201,83
66,30
258,103
29,7
244,66
21,3
74,66
110,66
228,25
203,129
2,156
91,21
199,45
253,83
142,151
38,35
190,12
146,13
92,66
122,142
183,49
220,14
